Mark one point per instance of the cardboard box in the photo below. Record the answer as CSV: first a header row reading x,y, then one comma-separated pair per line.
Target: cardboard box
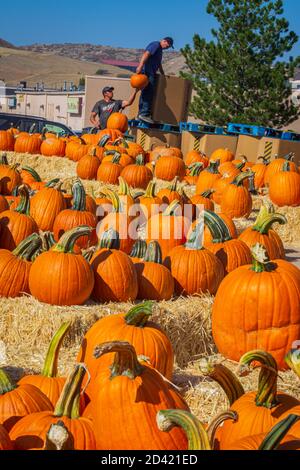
x,y
206,143
149,138
93,93
276,147
172,98
248,146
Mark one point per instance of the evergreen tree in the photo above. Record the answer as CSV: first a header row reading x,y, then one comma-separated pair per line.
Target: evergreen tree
x,y
239,76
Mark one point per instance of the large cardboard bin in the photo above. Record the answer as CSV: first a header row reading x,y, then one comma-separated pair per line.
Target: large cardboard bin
x,y
171,99
272,148
149,138
206,143
248,146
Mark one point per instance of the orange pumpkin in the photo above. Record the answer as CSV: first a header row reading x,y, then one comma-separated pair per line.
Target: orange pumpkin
x,y
46,205
284,187
139,81
276,166
7,141
223,155
137,175
168,167
118,121
208,178
236,200
53,146
9,176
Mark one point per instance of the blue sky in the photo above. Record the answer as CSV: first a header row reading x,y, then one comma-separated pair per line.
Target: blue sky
x,y
130,23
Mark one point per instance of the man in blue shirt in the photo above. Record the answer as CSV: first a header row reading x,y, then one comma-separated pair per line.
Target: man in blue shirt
x,y
150,63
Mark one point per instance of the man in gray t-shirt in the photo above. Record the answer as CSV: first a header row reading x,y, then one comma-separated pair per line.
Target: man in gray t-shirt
x,y
104,108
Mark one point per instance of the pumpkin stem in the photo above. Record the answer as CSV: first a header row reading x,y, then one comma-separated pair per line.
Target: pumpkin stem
x,y
115,200
207,193
68,402
3,159
139,249
261,261
195,241
226,379
79,197
104,140
267,381
213,167
172,208
140,160
150,191
68,239
217,227
278,432
33,173
193,428
89,253
153,253
123,187
293,361
240,165
216,423
58,438
289,157
28,247
6,384
140,314
24,206
51,361
286,166
55,183
110,240
263,225
174,185
239,179
265,160
195,168
125,361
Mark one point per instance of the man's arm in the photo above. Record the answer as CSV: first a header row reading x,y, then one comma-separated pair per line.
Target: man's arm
x,y
161,69
129,102
143,60
94,119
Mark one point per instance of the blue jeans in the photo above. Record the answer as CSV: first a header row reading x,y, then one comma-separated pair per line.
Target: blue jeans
x,y
146,99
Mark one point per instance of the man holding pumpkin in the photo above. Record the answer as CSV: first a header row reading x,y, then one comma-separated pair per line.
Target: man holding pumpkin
x,y
104,108
150,63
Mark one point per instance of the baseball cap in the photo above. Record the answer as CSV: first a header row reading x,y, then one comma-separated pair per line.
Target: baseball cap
x,y
170,41
107,88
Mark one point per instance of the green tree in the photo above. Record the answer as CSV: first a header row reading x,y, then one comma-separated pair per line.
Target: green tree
x,y
240,75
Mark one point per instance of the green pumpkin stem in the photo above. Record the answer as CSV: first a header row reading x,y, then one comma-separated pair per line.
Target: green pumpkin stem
x,y
195,241
68,239
261,261
267,381
213,167
125,362
265,160
123,187
153,253
69,400
3,159
293,361
193,428
173,208
27,249
140,160
150,191
286,166
226,379
51,361
24,206
278,432
174,186
263,225
115,200
219,231
110,240
33,173
195,168
207,193
6,384
289,157
55,183
217,422
239,179
240,166
139,249
140,314
104,140
79,197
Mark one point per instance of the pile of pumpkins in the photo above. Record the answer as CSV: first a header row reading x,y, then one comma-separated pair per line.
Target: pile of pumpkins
x,y
119,396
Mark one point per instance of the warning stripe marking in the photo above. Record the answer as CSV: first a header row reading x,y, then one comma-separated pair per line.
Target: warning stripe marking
x,y
197,143
268,149
143,140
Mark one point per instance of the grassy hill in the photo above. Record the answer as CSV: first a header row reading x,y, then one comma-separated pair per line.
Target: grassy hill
x,y
53,70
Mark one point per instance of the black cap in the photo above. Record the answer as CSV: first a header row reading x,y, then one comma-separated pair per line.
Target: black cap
x,y
170,41
107,88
